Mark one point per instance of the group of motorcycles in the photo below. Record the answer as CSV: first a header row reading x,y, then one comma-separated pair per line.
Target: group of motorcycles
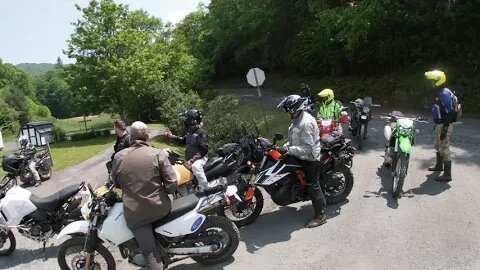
x,y
201,225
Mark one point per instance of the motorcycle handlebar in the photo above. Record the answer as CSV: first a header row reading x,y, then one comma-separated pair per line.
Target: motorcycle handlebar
x,y
416,119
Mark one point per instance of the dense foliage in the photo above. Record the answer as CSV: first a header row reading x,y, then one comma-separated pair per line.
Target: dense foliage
x,y
383,42
334,37
18,103
36,69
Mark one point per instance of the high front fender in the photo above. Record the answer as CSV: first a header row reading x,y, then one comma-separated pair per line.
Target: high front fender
x,y
80,227
405,144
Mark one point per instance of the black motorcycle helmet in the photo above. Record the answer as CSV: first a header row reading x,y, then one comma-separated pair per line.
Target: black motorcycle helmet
x,y
11,163
191,117
305,89
292,103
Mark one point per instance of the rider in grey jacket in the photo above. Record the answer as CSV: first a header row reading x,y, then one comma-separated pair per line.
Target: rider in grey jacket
x,y
304,144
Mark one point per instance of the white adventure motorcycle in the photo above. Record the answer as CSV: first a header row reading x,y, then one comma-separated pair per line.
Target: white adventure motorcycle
x,y
37,218
186,231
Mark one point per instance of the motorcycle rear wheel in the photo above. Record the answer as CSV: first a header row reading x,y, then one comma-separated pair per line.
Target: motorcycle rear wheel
x,y
338,192
8,237
253,210
227,229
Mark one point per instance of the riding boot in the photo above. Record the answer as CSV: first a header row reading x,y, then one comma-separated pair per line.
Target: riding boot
x,y
439,165
447,173
319,205
153,260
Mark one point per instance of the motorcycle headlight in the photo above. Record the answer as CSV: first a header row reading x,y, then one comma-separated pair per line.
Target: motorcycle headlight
x,y
405,131
86,209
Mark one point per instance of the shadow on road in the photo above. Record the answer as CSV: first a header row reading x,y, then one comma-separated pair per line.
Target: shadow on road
x,y
386,188
26,256
430,186
194,266
277,226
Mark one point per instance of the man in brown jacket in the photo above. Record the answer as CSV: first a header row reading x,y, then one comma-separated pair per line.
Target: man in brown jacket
x,y
145,176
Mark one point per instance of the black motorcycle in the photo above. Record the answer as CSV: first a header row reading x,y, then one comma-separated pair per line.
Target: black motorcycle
x,y
361,115
18,167
284,180
218,169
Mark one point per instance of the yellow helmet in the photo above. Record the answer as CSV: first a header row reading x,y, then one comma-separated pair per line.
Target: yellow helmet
x,y
326,95
437,77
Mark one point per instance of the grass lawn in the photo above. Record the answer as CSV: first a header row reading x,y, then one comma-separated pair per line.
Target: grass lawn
x,y
278,121
76,124
67,154
167,144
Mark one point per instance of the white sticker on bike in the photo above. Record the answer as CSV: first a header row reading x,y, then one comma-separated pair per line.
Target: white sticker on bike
x,y
273,176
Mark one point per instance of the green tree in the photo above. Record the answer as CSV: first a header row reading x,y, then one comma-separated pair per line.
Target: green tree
x,y
53,91
120,54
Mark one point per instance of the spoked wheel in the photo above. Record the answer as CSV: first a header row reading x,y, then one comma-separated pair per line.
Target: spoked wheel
x,y
244,213
338,185
360,136
45,174
8,243
226,238
399,175
71,256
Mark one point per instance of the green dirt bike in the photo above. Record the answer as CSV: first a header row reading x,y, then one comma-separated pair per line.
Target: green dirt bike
x,y
399,132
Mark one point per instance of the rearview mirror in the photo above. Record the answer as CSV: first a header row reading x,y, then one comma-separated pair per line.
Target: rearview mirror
x,y
277,137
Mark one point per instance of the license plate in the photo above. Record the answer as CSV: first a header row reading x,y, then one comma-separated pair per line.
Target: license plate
x,y
363,117
326,123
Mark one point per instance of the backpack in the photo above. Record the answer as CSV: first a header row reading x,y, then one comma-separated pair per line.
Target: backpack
x,y
457,108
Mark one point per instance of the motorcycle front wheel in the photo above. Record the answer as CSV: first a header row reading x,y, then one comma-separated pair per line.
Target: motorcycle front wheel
x,y
227,240
399,175
245,213
338,185
8,243
71,256
360,136
45,174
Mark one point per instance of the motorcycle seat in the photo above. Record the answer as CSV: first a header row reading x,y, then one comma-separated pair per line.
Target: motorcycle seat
x,y
50,203
212,163
180,207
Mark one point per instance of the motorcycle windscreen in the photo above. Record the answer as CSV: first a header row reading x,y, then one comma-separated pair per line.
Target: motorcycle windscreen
x,y
405,144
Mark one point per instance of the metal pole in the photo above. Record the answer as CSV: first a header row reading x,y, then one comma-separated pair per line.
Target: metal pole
x,y
260,99
50,154
85,121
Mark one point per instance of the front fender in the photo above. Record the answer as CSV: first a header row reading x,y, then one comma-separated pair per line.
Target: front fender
x,y
80,226
405,144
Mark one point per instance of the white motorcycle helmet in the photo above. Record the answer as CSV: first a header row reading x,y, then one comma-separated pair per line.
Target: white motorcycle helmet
x,y
23,141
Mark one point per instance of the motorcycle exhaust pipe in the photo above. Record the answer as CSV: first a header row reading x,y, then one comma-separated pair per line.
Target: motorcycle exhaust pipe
x,y
192,250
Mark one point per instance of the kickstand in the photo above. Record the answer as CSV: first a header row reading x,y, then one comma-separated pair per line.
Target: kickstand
x,y
43,250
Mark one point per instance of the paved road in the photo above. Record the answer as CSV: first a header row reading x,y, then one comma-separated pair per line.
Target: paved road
x,y
434,226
